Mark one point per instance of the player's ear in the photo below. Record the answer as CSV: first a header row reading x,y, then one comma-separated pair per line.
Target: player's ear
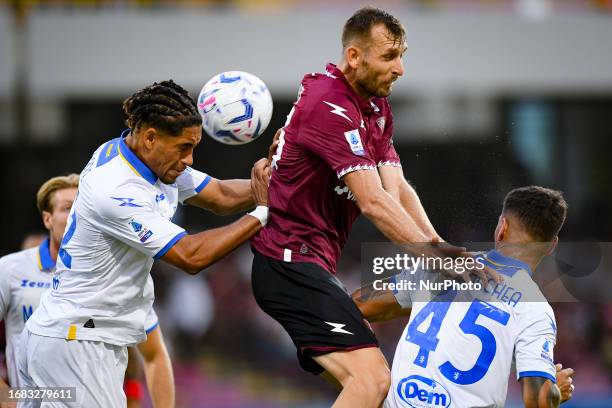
x,y
553,245
501,229
46,217
353,56
148,137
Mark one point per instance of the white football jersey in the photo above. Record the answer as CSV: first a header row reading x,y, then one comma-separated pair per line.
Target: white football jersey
x,y
458,349
24,277
119,223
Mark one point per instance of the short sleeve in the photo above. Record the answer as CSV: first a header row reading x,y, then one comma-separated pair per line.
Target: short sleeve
x,y
5,287
534,347
151,321
190,183
402,296
332,135
128,215
408,289
386,155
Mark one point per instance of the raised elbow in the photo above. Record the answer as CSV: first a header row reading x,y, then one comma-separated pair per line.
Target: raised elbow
x,y
189,263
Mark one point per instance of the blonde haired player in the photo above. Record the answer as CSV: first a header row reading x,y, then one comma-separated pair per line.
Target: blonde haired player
x,y
26,274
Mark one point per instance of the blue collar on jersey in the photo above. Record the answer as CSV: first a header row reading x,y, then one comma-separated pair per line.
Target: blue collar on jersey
x,y
505,265
133,161
44,256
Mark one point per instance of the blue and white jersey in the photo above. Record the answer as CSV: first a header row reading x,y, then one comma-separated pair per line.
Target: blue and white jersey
x,y
24,277
458,350
119,223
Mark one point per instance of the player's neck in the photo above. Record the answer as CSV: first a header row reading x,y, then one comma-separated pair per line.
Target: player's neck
x,y
528,253
349,74
53,249
132,143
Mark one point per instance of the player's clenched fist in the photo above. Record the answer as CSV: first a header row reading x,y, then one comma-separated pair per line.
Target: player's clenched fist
x,y
564,382
260,176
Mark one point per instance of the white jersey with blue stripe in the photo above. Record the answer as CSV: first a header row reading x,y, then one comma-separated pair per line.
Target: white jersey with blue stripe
x,y
119,223
458,349
24,277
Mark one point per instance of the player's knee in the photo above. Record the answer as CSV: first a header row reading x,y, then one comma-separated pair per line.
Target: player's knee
x,y
383,382
376,382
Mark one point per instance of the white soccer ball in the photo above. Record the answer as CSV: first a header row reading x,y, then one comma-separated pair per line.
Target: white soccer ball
x,y
236,107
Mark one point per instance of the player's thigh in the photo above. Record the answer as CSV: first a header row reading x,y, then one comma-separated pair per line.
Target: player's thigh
x,y
94,370
367,363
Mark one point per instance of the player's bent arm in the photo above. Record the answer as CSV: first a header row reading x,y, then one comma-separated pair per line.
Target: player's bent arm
x,y
224,197
194,252
397,186
380,207
378,305
540,392
158,369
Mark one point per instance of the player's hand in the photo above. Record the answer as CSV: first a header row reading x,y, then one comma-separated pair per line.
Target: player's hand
x,y
444,249
274,145
260,177
564,381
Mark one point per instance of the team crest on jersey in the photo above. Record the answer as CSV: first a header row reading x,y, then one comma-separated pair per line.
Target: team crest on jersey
x,y
420,392
381,122
354,140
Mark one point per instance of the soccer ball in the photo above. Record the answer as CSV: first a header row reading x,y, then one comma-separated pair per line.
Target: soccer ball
x,y
236,107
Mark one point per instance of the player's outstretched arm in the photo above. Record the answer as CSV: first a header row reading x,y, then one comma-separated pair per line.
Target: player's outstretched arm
x,y
397,186
378,305
192,253
380,207
158,369
224,197
540,392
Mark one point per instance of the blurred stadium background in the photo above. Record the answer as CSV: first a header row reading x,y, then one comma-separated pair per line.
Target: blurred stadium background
x,y
497,94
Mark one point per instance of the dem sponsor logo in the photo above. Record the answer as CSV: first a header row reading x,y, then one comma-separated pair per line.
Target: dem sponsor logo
x,y
420,392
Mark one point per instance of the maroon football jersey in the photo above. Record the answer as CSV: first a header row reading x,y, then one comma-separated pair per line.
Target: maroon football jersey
x,y
329,133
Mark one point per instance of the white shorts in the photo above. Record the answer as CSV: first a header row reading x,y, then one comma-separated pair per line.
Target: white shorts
x,y
95,368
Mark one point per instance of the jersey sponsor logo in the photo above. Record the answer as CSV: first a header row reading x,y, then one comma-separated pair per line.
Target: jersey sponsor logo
x,y
338,110
26,312
56,282
126,202
381,123
420,392
354,140
338,328
345,190
25,283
